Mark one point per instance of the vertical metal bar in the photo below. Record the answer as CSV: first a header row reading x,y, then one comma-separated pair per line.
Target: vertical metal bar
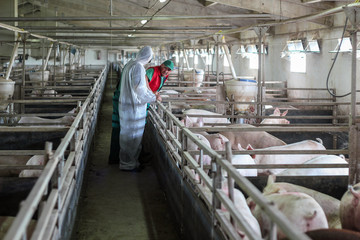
x,y
69,58
334,121
182,164
352,154
54,77
42,61
22,97
230,181
217,63
353,76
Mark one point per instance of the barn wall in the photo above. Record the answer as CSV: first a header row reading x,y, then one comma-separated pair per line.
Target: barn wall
x,y
317,64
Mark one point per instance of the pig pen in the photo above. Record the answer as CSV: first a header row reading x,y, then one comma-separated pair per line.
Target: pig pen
x,y
51,198
195,201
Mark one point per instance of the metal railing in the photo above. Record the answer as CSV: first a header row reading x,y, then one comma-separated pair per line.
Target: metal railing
x,y
176,136
53,191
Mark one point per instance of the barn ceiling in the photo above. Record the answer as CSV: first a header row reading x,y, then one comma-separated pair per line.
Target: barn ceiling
x,y
117,22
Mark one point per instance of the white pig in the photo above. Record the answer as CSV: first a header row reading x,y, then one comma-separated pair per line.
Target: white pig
x,y
188,122
241,206
34,160
276,120
192,146
245,159
299,208
207,120
287,158
350,208
63,121
216,140
257,139
324,159
329,204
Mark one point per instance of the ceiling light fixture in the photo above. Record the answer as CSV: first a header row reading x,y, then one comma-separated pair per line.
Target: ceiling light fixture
x,y
162,1
143,21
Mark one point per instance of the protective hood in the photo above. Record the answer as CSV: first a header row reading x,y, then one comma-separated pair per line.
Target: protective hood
x,y
144,55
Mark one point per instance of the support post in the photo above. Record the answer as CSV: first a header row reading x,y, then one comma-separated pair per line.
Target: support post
x,y
260,32
353,14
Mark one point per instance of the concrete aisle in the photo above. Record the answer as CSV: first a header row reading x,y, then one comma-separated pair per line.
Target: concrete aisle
x,y
115,204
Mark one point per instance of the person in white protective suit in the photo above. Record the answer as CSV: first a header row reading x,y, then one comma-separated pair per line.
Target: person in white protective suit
x,y
133,99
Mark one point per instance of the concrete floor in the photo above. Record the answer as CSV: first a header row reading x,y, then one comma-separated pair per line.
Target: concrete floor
x,y
116,204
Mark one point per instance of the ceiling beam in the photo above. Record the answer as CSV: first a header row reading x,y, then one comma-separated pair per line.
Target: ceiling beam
x,y
131,18
206,3
174,28
279,8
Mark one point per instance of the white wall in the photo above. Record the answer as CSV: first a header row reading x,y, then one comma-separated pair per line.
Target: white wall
x,y
317,65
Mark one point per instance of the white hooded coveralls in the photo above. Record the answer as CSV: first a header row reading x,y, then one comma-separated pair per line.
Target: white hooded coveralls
x,y
133,99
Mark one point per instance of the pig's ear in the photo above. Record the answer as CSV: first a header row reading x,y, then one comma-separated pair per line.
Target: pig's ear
x,y
249,147
271,179
200,121
251,204
188,122
284,113
276,112
356,195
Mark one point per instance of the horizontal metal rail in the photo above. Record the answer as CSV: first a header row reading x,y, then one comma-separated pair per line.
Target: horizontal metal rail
x,y
51,219
244,184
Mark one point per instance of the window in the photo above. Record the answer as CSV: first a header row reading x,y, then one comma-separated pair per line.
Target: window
x,y
208,59
226,62
298,62
345,45
253,61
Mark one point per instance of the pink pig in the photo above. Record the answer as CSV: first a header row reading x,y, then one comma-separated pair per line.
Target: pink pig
x,y
276,120
350,208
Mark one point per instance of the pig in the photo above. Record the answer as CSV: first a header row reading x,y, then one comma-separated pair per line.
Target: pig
x,y
188,122
329,204
192,146
206,120
286,158
350,208
63,121
216,140
245,159
257,139
241,206
46,93
169,93
276,120
12,160
34,160
302,211
324,159
333,234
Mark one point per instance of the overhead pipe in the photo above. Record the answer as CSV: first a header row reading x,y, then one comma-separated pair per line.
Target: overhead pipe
x,y
228,56
132,18
12,59
186,59
293,20
48,56
216,28
113,32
